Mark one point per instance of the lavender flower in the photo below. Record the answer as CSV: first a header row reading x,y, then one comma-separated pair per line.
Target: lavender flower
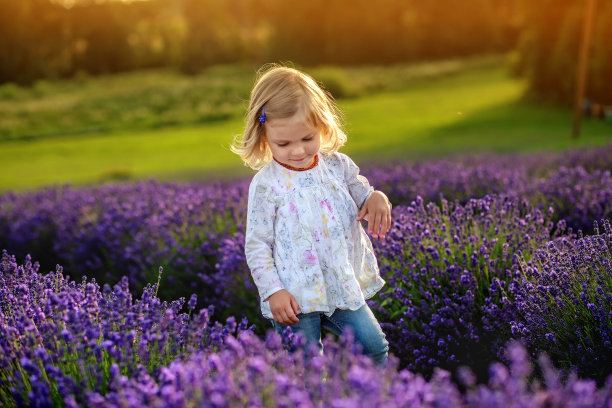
x,y
67,338
566,308
447,310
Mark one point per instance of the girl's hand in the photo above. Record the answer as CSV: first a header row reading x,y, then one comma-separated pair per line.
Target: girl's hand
x,y
284,307
377,212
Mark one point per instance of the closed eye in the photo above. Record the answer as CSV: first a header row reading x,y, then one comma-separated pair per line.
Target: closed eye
x,y
306,139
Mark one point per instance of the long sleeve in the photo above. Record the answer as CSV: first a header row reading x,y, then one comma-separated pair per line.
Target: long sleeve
x,y
358,185
259,239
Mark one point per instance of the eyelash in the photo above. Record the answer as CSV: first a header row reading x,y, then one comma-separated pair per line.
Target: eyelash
x,y
285,144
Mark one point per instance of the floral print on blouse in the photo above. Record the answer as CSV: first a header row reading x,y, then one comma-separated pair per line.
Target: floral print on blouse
x,y
302,235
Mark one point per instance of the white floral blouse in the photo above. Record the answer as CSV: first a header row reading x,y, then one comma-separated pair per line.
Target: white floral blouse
x,y
302,235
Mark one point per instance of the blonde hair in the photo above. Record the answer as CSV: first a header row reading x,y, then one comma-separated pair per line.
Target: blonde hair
x,y
286,92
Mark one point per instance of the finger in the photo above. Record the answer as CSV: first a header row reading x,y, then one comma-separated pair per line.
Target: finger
x,y
295,306
384,226
283,318
362,213
388,222
378,228
291,317
376,225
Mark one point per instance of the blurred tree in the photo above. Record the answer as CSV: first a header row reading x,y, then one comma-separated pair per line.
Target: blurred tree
x,y
387,31
31,40
599,85
47,38
211,34
156,31
100,37
549,47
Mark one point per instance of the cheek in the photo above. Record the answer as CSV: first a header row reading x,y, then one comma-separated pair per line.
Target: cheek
x,y
279,152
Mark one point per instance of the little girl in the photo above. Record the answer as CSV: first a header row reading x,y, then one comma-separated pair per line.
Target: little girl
x,y
309,256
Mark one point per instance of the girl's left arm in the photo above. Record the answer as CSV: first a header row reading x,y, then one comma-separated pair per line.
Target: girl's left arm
x,y
374,206
377,211
359,186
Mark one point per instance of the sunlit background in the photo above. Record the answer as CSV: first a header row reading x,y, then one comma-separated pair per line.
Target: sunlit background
x,y
487,123
94,91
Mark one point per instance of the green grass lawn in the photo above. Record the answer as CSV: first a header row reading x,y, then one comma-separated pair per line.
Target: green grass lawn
x,y
473,109
479,111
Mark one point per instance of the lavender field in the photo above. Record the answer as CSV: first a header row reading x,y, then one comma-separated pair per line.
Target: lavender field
x,y
499,293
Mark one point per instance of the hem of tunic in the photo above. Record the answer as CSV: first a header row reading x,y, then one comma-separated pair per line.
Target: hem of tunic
x,y
366,295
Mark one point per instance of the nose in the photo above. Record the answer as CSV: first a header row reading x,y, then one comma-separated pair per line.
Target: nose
x,y
298,151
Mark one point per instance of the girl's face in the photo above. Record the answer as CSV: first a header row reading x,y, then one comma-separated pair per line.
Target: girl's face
x,y
292,141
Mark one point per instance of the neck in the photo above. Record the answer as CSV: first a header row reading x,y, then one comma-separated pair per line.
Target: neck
x,y
314,163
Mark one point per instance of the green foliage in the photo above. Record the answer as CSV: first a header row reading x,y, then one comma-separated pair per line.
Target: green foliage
x,y
148,99
335,81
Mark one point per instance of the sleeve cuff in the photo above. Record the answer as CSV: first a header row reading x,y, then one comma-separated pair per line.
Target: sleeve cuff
x,y
368,194
266,295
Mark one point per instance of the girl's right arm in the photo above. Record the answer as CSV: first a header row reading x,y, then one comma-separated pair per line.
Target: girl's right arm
x,y
259,239
258,247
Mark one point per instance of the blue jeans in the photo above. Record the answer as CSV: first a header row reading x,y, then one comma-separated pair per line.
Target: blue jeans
x,y
362,322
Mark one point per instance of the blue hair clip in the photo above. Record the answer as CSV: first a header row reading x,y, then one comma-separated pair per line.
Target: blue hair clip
x,y
262,117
